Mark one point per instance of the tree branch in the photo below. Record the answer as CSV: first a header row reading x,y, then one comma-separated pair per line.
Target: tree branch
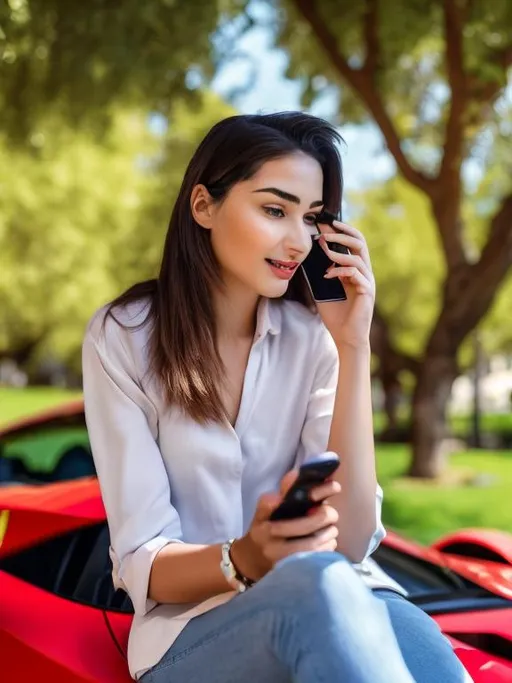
x,y
497,254
482,280
371,39
454,133
361,81
446,210
486,91
448,196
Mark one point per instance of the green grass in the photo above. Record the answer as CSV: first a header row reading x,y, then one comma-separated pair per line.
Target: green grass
x,y
16,403
425,510
492,422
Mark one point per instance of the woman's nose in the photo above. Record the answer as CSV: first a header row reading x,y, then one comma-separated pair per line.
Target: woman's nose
x,y
299,240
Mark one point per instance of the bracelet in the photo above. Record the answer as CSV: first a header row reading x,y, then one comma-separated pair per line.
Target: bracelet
x,y
235,578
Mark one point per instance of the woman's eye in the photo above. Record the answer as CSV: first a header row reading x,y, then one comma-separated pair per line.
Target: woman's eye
x,y
274,211
310,221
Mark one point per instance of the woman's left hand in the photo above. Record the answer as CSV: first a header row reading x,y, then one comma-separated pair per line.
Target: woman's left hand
x,y
349,321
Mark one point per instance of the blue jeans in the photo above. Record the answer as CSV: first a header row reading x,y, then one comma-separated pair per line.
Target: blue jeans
x,y
310,620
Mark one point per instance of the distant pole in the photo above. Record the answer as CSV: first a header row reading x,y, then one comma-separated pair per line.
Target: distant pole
x,y
477,398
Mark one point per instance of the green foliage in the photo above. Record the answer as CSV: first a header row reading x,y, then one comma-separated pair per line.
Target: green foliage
x,y
425,510
64,204
497,325
393,57
409,266
408,50
406,259
185,131
81,58
82,219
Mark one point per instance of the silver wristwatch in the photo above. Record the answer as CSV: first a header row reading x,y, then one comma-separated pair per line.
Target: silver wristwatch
x,y
236,580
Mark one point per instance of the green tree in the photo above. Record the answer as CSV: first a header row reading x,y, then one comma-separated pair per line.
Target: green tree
x,y
82,57
431,75
409,270
83,218
66,201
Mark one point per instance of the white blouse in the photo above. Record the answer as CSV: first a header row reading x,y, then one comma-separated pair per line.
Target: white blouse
x,y
166,479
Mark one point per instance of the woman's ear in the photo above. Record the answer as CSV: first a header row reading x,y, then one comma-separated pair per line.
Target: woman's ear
x,y
202,206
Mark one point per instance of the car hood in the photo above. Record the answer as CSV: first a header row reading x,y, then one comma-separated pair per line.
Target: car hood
x,y
482,641
482,666
31,513
494,576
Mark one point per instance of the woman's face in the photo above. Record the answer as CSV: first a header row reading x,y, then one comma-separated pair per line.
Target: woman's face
x,y
269,217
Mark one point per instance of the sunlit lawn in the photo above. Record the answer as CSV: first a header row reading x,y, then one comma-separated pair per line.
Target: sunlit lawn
x,y
425,510
419,509
16,403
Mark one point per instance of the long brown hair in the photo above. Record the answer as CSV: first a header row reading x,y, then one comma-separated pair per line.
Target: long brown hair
x,y
182,350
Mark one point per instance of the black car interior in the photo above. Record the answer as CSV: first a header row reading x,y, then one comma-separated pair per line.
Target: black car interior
x,y
76,565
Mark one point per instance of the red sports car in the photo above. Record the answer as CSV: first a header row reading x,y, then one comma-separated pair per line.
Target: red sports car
x,y
62,621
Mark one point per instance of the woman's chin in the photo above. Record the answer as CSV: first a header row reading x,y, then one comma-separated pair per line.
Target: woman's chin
x,y
273,290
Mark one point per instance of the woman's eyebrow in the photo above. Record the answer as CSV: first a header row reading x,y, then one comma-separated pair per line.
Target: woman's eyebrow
x,y
287,196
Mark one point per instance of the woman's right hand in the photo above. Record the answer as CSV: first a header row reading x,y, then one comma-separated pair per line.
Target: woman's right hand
x,y
267,542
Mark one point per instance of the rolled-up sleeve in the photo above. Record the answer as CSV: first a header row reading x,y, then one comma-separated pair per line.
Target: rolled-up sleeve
x,y
317,425
131,472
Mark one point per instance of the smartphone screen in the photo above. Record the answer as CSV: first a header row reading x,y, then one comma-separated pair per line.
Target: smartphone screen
x,y
315,265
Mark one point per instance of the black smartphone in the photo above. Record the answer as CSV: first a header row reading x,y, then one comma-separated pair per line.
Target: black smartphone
x,y
297,502
317,262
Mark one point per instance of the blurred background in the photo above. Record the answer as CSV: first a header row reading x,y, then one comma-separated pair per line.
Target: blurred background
x,y
101,107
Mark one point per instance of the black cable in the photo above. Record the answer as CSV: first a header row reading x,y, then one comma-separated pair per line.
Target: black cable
x,y
112,634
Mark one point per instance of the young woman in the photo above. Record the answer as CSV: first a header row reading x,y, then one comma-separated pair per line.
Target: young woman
x,y
205,389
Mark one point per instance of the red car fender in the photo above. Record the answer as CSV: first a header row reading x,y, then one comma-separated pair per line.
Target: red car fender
x,y
50,638
29,514
485,544
480,667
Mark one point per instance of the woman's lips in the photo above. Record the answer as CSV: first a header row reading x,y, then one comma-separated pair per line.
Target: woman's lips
x,y
281,273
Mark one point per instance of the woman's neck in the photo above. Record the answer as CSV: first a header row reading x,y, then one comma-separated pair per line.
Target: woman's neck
x,y
235,313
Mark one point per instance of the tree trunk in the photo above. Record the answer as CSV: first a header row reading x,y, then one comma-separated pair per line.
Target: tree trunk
x,y
430,399
392,389
22,351
391,364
